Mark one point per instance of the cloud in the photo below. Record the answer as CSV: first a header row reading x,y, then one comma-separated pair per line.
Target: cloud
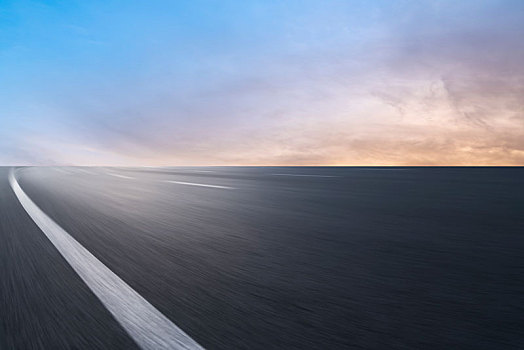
x,y
404,83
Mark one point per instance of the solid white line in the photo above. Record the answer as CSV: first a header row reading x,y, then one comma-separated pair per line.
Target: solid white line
x,y
148,327
121,176
201,185
304,175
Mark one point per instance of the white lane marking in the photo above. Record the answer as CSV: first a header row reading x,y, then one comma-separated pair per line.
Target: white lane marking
x,y
148,327
86,171
378,169
304,175
201,185
121,176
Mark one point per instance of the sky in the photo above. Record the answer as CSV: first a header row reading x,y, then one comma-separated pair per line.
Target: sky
x,y
261,82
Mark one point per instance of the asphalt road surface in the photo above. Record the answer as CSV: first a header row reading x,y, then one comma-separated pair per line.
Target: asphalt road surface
x,y
261,258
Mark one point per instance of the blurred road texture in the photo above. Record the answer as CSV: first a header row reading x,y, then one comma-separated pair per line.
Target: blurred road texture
x,y
270,257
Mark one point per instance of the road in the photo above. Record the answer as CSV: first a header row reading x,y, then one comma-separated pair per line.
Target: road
x,y
263,258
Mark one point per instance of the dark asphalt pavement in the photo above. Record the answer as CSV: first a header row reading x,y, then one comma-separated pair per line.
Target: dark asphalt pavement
x,y
272,258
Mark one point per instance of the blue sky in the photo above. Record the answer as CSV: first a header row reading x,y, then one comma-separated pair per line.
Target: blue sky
x,y
262,82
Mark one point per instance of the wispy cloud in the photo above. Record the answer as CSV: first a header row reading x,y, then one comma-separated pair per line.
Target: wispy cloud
x,y
404,83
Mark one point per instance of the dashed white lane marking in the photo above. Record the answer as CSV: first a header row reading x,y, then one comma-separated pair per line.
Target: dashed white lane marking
x,y
201,185
121,176
378,169
86,171
148,327
304,175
